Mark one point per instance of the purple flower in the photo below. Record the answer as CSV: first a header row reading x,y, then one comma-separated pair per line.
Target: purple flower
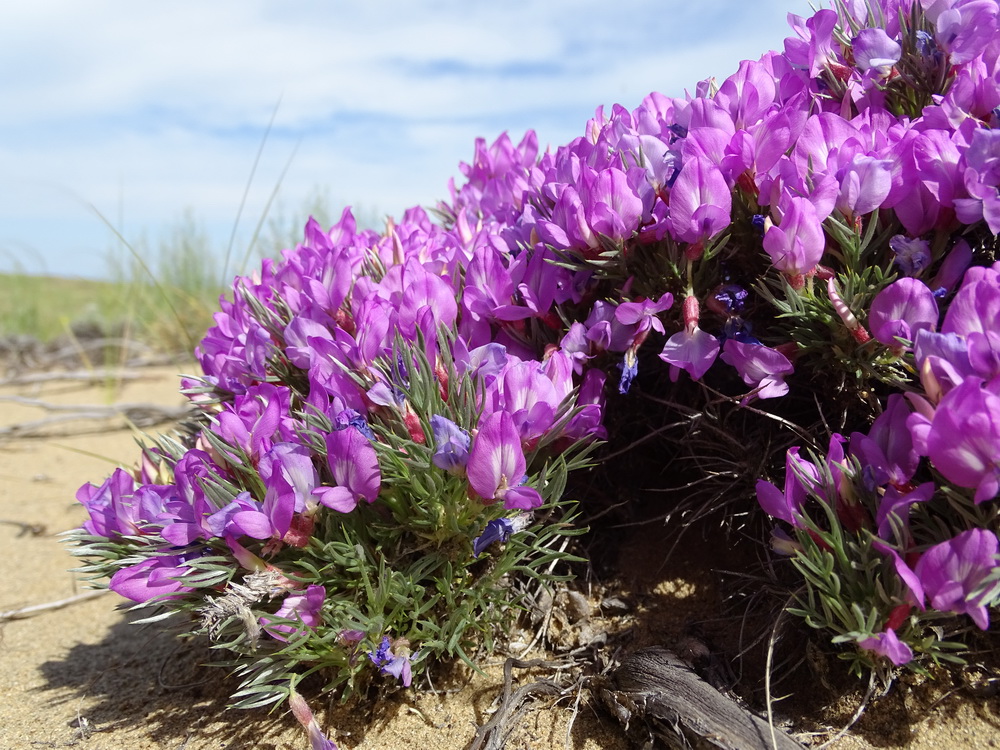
x,y
354,466
797,244
901,310
117,507
952,572
761,367
701,202
914,588
154,578
642,315
887,450
963,441
497,530
497,464
864,185
305,607
391,664
912,256
690,349
963,28
887,644
976,307
873,49
451,445
893,516
317,740
529,396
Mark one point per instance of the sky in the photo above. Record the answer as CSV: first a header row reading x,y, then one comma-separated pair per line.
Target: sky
x,y
136,114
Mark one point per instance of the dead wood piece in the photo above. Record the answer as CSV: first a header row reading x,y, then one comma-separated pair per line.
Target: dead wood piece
x,y
659,698
138,414
86,376
37,609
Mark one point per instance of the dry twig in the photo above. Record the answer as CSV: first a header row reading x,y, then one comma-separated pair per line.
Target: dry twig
x,y
37,609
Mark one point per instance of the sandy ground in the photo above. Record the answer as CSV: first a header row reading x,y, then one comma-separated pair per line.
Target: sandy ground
x,y
83,676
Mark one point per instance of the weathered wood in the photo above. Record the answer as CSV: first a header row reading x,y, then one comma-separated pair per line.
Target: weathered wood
x,y
659,698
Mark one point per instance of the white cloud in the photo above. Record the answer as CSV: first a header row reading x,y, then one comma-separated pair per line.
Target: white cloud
x,y
158,106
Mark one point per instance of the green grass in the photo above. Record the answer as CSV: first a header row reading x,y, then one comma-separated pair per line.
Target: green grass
x,y
161,293
46,307
162,296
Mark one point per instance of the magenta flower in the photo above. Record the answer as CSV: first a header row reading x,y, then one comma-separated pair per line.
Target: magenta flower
x,y
354,466
305,607
963,441
801,477
887,644
874,50
690,349
701,202
497,464
760,366
901,310
155,578
951,573
797,244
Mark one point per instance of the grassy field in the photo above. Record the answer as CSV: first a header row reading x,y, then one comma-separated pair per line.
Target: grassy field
x,y
161,293
167,316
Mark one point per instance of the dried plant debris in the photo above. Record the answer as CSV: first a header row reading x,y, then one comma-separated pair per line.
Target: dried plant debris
x,y
663,702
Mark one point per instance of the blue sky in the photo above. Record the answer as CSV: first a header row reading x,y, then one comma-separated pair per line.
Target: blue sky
x,y
143,110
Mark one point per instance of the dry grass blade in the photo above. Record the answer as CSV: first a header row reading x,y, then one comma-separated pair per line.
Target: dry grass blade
x,y
37,609
493,734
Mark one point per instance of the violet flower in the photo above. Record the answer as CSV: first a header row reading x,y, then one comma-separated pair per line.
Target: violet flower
x,y
497,530
760,366
497,464
701,203
963,440
690,349
451,445
305,607
901,310
391,664
887,644
354,466
953,571
797,244
874,50
912,255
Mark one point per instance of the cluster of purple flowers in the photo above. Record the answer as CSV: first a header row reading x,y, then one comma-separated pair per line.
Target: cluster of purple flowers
x,y
339,326
951,426
478,348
